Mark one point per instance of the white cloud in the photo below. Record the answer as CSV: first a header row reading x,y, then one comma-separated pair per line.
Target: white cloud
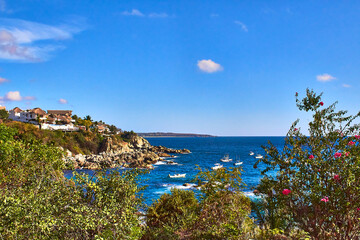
x,y
3,80
346,85
63,101
15,96
133,12
209,66
325,77
137,13
242,25
18,39
214,15
158,15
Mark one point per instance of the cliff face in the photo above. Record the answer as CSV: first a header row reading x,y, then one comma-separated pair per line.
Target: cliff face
x,y
113,153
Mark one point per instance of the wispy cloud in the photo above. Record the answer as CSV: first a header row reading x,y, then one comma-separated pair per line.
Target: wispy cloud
x,y
209,66
346,85
15,96
158,15
3,80
138,13
62,101
214,15
133,12
242,25
325,77
19,39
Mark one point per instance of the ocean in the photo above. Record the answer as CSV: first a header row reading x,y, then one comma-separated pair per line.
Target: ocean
x,y
205,152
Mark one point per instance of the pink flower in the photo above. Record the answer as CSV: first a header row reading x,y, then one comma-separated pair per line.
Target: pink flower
x,y
337,155
325,199
286,191
357,136
321,104
337,177
351,143
311,156
358,209
347,154
295,129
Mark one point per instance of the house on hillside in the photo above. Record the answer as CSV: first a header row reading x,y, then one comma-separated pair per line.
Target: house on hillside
x,y
41,115
60,116
2,107
14,114
28,116
102,128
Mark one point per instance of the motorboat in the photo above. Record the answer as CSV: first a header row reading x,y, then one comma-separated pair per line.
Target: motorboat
x,y
178,175
226,158
251,153
217,166
258,156
238,163
169,162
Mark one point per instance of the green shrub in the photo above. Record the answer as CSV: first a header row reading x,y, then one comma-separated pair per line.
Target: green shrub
x,y
171,215
37,202
221,210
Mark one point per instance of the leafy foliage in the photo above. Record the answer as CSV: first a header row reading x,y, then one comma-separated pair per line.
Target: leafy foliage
x,y
317,185
37,202
4,114
220,213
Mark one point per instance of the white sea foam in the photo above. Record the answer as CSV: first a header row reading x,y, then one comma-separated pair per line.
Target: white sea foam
x,y
160,163
169,186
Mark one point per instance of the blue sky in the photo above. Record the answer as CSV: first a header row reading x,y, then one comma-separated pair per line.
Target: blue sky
x,y
228,68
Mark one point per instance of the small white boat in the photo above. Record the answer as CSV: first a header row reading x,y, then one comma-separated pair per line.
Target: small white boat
x,y
251,153
177,175
238,163
226,158
259,156
169,162
217,166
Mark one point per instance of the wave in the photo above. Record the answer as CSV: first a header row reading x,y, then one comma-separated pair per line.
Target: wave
x,y
160,163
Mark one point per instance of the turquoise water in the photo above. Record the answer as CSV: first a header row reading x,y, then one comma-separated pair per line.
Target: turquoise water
x,y
205,152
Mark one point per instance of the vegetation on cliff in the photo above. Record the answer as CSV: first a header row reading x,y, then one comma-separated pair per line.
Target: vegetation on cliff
x,y
84,142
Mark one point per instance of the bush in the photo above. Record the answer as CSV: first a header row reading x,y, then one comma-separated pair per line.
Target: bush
x,y
171,215
316,188
220,212
37,202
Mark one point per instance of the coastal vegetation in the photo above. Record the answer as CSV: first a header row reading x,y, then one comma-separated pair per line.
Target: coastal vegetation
x,y
310,189
83,141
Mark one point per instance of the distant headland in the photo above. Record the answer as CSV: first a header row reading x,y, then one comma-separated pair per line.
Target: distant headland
x,y
169,134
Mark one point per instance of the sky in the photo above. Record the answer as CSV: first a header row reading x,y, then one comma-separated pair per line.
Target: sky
x,y
226,68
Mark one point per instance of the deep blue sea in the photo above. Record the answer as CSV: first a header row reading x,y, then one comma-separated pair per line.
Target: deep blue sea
x,y
205,152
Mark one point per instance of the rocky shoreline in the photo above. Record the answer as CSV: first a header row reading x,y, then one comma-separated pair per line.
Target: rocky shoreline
x,y
137,153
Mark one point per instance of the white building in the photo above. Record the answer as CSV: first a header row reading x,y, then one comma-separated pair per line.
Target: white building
x,y
67,127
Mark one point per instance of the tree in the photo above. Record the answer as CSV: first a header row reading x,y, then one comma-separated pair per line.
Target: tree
x,y
87,117
113,129
4,114
316,187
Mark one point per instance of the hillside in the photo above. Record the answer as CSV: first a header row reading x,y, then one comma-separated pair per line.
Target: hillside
x,y
92,150
168,134
81,142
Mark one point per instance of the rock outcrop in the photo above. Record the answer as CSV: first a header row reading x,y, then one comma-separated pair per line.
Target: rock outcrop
x,y
137,153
